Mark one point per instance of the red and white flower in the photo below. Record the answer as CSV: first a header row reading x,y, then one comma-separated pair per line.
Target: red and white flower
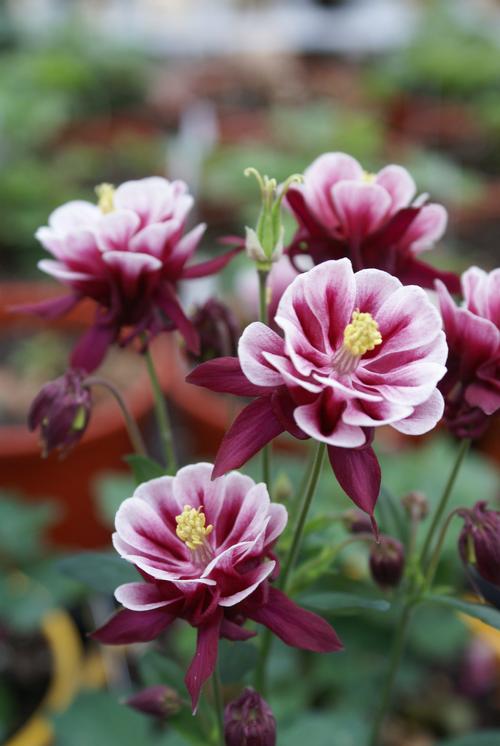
x,y
373,219
472,384
128,254
204,550
358,350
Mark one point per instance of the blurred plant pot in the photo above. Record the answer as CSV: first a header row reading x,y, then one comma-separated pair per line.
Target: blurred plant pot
x,y
69,481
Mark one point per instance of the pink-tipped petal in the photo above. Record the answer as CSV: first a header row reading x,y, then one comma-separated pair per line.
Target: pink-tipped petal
x,y
254,427
397,181
296,626
256,339
127,627
358,473
116,230
427,228
203,664
225,376
361,208
424,417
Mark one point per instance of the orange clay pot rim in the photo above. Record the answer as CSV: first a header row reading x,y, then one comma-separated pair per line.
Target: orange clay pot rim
x,y
106,418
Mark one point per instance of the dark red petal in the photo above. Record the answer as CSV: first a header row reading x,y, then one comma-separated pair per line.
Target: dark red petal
x,y
225,376
358,473
296,626
169,303
48,309
390,233
204,660
211,266
126,627
415,272
232,631
253,428
92,347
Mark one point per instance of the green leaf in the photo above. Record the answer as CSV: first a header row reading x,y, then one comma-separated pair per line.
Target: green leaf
x,y
480,738
144,468
338,602
99,571
98,718
26,520
483,612
158,668
110,491
236,659
391,515
342,728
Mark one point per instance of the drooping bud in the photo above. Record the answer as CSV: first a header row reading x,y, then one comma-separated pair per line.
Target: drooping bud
x,y
264,245
218,331
479,541
249,721
62,411
387,560
356,522
158,701
416,505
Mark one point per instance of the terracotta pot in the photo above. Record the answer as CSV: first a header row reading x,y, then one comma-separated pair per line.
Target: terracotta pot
x,y
69,481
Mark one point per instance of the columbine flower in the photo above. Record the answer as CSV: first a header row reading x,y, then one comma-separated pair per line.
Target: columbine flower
x,y
62,412
359,350
128,254
472,385
204,550
373,219
249,721
387,561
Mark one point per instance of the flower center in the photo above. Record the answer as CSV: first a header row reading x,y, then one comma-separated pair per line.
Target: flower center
x,y
368,177
191,527
105,197
360,336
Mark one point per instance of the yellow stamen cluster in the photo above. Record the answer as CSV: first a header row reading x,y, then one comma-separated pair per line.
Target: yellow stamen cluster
x,y
362,334
191,527
368,177
105,196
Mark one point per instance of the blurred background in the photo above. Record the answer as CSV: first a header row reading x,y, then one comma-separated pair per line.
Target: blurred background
x,y
98,91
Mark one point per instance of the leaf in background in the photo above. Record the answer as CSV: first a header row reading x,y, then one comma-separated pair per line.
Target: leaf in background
x,y
110,491
22,526
483,612
391,515
341,728
480,738
99,571
158,668
333,603
144,468
236,659
98,718
23,603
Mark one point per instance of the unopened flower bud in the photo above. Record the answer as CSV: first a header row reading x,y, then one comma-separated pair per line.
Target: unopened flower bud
x,y
218,330
264,245
282,488
479,541
416,505
62,411
249,721
387,560
356,522
159,701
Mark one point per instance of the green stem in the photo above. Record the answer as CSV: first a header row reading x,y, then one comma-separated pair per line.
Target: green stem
x,y
436,554
267,638
218,706
263,317
162,415
301,518
462,451
395,659
132,428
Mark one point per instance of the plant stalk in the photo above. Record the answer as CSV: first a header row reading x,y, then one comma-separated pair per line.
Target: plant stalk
x,y
462,451
394,661
133,431
263,317
218,706
162,416
314,475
